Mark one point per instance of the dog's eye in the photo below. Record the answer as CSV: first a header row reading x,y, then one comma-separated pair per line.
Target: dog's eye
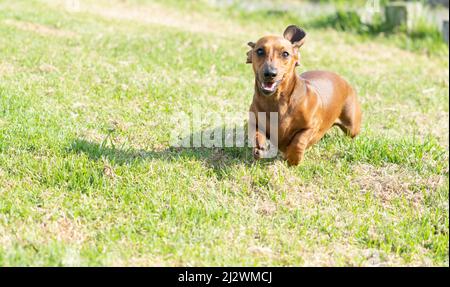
x,y
260,52
285,54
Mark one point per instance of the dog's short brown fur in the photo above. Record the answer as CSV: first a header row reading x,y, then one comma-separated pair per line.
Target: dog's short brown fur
x,y
308,105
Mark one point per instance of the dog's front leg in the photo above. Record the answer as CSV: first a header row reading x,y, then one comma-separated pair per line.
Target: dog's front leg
x,y
257,137
260,145
296,149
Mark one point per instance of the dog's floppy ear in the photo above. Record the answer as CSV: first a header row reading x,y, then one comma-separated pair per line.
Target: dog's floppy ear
x,y
295,35
249,53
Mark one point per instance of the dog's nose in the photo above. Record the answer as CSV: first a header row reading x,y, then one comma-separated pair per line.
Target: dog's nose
x,y
270,72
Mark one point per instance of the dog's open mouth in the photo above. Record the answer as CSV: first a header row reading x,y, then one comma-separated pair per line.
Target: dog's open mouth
x,y
269,87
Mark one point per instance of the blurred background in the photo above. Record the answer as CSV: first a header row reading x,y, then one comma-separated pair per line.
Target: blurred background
x,y
425,21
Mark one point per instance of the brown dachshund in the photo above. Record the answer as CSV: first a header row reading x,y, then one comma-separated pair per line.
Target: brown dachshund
x,y
307,105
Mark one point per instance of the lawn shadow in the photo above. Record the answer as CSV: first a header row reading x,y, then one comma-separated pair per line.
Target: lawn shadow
x,y
219,159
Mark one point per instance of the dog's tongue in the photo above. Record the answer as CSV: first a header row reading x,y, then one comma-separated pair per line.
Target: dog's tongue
x,y
268,86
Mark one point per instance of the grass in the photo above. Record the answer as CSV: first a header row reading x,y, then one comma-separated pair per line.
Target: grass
x,y
88,177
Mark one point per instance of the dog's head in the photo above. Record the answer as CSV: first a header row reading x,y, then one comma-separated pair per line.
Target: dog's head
x,y
274,57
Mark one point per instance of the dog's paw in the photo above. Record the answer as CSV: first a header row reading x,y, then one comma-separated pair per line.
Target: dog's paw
x,y
293,162
292,159
258,153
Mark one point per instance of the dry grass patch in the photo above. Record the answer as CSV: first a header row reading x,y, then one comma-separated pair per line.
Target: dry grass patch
x,y
40,29
393,182
66,230
345,255
141,262
7,69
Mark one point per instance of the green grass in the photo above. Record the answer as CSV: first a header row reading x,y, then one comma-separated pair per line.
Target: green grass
x,y
88,177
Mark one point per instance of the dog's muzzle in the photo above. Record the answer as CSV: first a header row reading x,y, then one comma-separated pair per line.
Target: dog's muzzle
x,y
269,87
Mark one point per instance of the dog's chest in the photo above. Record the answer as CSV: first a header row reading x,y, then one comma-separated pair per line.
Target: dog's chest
x,y
290,121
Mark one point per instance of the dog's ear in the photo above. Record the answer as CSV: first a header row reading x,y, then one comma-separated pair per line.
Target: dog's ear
x,y
249,53
295,35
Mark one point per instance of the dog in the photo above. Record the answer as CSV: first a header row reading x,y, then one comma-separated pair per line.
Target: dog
x,y
308,105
